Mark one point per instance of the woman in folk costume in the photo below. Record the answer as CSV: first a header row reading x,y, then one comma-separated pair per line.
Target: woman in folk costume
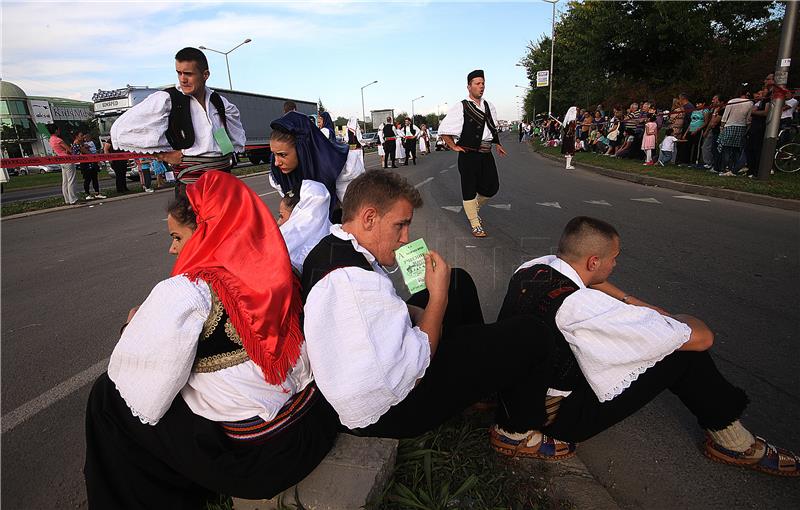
x,y
209,389
354,141
300,151
424,139
399,151
325,124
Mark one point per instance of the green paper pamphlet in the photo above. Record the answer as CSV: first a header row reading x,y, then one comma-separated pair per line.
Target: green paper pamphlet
x,y
411,260
224,142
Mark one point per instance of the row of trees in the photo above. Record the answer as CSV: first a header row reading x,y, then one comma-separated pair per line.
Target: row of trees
x,y
431,120
616,52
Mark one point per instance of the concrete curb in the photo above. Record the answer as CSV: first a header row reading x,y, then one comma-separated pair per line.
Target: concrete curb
x,y
102,201
570,480
738,196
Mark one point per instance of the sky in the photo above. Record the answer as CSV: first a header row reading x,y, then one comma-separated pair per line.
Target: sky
x,y
322,50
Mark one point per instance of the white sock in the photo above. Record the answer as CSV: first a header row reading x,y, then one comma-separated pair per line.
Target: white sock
x,y
536,437
733,437
471,210
649,155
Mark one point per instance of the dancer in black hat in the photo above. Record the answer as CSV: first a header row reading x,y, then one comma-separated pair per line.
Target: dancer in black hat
x,y
473,122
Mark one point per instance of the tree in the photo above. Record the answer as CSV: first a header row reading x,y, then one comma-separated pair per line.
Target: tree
x,y
340,121
320,107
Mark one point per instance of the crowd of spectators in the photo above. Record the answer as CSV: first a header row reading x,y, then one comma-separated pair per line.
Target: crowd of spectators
x,y
722,135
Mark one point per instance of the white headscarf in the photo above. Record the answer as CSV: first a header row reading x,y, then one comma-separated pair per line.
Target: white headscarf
x,y
352,125
571,115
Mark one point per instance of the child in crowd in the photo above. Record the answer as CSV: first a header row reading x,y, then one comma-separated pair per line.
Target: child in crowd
x,y
594,134
286,206
649,139
568,144
627,145
668,147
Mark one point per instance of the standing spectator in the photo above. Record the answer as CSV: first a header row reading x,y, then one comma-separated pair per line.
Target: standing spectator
x,y
160,171
602,111
145,179
521,128
733,125
120,168
698,120
60,148
758,125
586,125
682,153
568,144
649,139
711,134
88,170
92,148
789,107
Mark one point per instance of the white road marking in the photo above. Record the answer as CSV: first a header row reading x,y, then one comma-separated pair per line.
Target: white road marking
x,y
453,208
444,171
647,200
550,204
268,193
452,166
505,207
597,202
690,197
426,181
470,246
53,395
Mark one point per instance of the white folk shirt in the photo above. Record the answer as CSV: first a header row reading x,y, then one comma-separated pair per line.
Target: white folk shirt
x,y
152,363
613,342
365,353
406,131
143,127
453,122
308,223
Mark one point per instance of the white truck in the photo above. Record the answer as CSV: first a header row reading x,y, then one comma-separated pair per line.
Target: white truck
x,y
257,111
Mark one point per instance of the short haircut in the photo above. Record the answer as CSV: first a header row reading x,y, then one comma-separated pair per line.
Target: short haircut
x,y
52,129
190,54
289,106
380,189
584,236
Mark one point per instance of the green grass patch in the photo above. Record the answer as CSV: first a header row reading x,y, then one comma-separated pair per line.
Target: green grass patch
x,y
18,182
779,185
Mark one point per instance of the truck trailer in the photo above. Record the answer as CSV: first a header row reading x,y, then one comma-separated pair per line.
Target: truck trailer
x,y
257,111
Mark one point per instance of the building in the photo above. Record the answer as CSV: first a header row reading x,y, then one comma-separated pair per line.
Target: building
x,y
24,120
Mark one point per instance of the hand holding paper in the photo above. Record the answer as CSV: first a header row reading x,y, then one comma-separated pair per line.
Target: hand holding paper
x,y
437,275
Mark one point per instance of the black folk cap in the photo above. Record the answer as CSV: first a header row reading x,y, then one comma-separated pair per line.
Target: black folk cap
x,y
477,73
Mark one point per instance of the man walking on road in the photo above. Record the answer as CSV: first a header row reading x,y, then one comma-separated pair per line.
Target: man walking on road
x,y
472,121
410,135
67,169
388,138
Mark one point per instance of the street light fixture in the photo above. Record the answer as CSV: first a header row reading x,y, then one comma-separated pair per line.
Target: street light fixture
x,y
230,84
412,108
363,111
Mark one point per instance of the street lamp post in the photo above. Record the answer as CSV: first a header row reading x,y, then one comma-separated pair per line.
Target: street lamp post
x,y
363,111
552,47
412,108
230,84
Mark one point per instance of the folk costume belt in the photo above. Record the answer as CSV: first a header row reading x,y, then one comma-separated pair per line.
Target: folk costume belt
x,y
192,168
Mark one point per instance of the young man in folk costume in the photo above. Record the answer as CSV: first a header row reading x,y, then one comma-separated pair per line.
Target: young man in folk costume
x,y
410,135
388,139
189,126
473,122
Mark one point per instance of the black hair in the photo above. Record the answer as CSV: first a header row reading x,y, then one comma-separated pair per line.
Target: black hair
x,y
52,129
181,210
578,233
190,54
289,106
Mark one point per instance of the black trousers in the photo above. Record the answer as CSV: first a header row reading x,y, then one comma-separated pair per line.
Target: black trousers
x,y
692,376
411,149
473,360
752,149
185,459
90,172
120,169
695,141
478,174
389,148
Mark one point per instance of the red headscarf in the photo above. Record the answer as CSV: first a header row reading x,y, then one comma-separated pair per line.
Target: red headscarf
x,y
239,251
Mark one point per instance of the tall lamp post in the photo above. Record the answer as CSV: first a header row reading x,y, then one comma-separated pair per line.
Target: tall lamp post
x,y
527,89
412,108
230,84
552,47
363,111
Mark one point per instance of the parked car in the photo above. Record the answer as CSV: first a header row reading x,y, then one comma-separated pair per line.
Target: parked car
x,y
39,169
369,140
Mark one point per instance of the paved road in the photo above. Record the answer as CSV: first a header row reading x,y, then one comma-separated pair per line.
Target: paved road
x,y
70,277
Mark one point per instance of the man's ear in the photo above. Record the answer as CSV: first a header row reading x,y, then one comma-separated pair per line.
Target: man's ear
x,y
369,218
206,74
592,263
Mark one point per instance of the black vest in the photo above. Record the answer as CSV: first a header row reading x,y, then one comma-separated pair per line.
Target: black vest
x,y
220,346
474,122
540,290
180,132
352,139
388,131
329,254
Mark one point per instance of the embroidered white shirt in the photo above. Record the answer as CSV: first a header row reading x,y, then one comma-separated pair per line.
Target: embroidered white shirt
x,y
453,122
143,127
613,342
365,353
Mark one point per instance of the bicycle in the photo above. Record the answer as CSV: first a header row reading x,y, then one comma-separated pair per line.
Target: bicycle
x,y
787,155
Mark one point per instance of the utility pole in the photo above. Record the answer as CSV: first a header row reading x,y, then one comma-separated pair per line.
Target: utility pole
x,y
552,49
781,79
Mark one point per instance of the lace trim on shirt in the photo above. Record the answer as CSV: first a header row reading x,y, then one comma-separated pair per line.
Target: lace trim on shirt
x,y
629,379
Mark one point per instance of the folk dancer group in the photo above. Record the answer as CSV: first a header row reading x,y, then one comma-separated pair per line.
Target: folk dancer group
x,y
236,373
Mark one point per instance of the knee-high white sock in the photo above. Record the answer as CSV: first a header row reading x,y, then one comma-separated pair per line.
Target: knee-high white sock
x,y
733,437
481,201
471,210
569,161
649,153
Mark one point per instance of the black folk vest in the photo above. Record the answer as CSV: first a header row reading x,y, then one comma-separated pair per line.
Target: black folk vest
x,y
352,139
220,346
388,132
474,121
540,290
329,254
180,131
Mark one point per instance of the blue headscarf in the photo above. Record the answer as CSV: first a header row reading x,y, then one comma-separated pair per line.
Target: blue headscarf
x,y
318,159
327,122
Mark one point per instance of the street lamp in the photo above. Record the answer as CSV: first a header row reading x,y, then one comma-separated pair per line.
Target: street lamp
x,y
364,112
230,84
412,108
552,47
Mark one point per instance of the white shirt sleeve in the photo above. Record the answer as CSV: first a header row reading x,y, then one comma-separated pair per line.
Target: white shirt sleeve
x,y
453,121
353,167
613,342
234,124
365,354
308,223
143,127
153,359
274,184
380,133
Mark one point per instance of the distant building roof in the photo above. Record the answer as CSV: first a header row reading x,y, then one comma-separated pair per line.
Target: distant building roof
x,y
8,89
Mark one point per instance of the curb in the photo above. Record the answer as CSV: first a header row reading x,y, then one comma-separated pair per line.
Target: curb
x,y
570,480
102,201
787,204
